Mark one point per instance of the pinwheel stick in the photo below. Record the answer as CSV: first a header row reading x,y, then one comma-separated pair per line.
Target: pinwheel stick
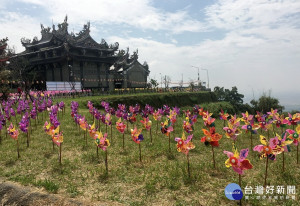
x,y
251,139
111,133
18,149
156,126
123,141
283,161
97,151
28,138
150,135
169,142
60,153
140,152
266,174
224,122
297,153
127,125
52,145
240,184
106,164
0,138
85,137
188,165
213,153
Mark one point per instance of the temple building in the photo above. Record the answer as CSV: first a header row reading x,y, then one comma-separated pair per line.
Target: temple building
x,y
60,56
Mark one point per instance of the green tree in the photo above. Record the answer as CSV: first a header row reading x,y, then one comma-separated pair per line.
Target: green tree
x,y
153,83
265,103
232,96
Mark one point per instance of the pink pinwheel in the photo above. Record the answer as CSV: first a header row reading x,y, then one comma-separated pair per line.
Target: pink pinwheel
x,y
295,136
223,115
58,138
265,124
137,137
184,144
108,119
188,125
232,132
101,141
246,117
208,120
292,119
237,160
14,133
157,116
92,130
172,116
146,123
120,126
234,121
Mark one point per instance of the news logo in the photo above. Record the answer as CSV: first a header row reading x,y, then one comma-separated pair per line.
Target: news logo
x,y
233,192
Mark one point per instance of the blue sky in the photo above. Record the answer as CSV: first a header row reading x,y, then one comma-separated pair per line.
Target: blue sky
x,y
251,44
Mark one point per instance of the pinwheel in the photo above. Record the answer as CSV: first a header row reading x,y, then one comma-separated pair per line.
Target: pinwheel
x,y
188,125
234,121
212,138
137,137
24,124
147,125
92,131
292,119
208,120
121,128
283,142
184,145
267,149
251,127
58,139
265,125
14,133
166,128
232,132
157,117
295,136
246,117
102,142
238,162
223,116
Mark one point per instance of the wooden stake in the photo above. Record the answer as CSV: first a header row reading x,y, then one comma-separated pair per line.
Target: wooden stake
x,y
283,161
27,138
240,184
213,153
140,152
150,135
111,133
60,153
251,140
123,141
266,174
106,164
169,142
297,153
188,165
156,126
18,149
97,151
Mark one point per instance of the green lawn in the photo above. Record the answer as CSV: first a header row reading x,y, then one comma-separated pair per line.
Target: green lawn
x,y
160,179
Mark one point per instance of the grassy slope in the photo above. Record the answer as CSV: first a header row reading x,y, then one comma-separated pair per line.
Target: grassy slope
x,y
160,179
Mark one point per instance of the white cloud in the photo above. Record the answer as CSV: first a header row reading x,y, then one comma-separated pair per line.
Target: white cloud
x,y
137,13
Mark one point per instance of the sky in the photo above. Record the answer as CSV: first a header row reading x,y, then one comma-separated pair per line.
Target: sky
x,y
251,44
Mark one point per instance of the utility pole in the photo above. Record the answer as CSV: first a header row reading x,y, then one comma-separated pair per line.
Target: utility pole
x,y
165,82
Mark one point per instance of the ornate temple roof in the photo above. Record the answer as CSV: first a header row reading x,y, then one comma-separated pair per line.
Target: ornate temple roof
x,y
127,61
60,35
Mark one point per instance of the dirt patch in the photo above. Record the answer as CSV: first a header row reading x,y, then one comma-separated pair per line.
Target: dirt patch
x,y
13,194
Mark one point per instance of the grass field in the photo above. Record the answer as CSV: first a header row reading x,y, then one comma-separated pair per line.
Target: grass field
x,y
161,178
